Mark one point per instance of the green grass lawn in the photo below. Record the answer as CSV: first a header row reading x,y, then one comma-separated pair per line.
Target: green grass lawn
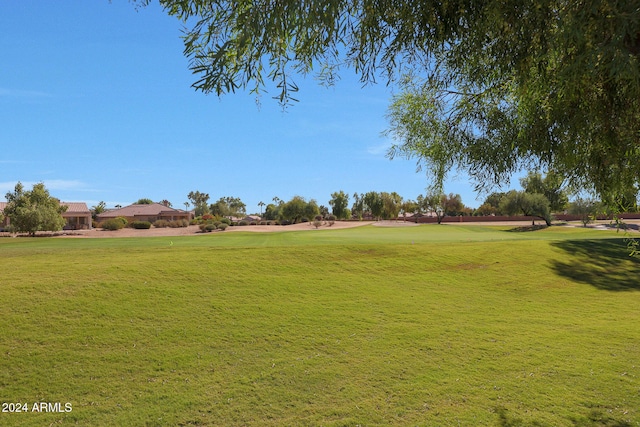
x,y
430,325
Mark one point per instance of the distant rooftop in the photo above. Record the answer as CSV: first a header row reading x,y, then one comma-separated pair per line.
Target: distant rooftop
x,y
72,207
153,209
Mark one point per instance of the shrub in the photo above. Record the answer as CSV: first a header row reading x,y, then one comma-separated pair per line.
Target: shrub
x,y
253,223
226,221
207,228
304,219
123,220
243,223
264,223
222,226
161,223
141,225
331,219
112,224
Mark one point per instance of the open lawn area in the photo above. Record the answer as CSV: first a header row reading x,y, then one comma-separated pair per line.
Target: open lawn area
x,y
428,325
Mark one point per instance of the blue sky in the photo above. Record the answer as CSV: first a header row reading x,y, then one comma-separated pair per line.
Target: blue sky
x,y
96,102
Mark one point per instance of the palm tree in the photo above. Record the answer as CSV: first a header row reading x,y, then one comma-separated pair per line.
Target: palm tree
x,y
186,208
277,200
261,204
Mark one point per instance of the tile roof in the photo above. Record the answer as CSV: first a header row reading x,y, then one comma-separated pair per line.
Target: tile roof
x,y
76,207
72,207
134,210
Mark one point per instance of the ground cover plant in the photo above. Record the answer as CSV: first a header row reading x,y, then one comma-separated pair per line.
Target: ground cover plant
x,y
429,325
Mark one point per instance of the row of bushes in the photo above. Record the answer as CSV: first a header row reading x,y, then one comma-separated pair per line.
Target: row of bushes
x,y
122,222
161,223
214,225
206,223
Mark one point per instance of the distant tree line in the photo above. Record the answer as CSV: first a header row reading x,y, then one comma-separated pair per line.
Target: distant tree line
x,y
35,210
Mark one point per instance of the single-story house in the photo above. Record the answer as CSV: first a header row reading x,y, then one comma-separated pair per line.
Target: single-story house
x,y
77,216
146,212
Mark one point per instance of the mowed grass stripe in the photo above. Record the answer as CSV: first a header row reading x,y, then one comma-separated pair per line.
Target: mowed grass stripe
x,y
333,328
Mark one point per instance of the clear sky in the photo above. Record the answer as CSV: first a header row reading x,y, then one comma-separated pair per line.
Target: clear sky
x,y
96,102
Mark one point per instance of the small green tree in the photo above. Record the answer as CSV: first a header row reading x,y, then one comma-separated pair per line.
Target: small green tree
x,y
408,207
219,208
199,201
434,202
491,204
357,209
228,206
294,209
390,205
452,204
586,209
311,209
144,201
550,186
324,211
271,212
339,203
528,204
485,209
35,210
98,209
373,204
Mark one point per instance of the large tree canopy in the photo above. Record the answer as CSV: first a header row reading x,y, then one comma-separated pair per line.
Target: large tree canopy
x,y
489,87
35,210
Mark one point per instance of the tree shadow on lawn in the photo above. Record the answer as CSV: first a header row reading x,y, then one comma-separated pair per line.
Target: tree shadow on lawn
x,y
603,263
527,228
594,418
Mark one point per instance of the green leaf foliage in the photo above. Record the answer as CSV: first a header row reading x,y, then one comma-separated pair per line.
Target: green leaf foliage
x,y
528,204
488,87
550,186
33,211
339,203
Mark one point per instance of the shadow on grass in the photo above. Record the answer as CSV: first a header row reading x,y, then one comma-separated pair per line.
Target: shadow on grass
x,y
526,228
603,263
506,420
596,418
